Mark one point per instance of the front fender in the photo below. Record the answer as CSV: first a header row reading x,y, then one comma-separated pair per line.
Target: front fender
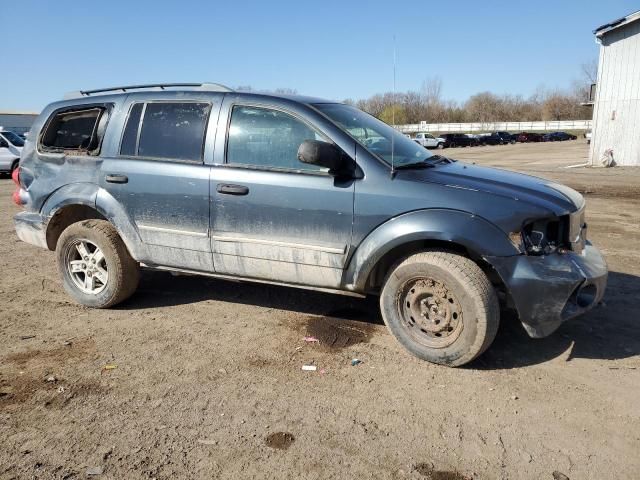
x,y
476,234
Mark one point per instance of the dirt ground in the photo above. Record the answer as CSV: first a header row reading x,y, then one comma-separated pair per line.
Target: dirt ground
x,y
200,378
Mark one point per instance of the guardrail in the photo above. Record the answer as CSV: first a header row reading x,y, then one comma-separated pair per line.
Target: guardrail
x,y
497,126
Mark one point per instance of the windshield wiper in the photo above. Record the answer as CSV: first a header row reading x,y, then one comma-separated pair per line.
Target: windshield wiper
x,y
439,159
407,166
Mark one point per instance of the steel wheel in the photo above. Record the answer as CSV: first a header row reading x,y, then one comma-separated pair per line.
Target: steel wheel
x,y
430,312
87,266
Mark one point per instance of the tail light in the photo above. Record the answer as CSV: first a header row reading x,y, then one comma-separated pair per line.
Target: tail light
x,y
15,176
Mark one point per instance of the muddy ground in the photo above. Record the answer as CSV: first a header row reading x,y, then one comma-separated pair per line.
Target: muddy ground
x,y
203,377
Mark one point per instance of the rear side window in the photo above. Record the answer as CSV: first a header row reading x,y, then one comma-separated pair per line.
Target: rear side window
x,y
169,130
75,131
130,136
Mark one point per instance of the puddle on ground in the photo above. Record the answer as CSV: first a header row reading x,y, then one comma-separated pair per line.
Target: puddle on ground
x,y
427,471
335,333
279,440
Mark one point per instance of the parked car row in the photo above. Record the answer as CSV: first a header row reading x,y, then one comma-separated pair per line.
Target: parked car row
x,y
10,150
452,140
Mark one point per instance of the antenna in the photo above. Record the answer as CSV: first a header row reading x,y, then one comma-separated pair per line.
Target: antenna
x,y
393,107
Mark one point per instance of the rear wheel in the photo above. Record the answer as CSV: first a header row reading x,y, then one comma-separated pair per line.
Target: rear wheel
x,y
440,146
15,164
441,307
96,267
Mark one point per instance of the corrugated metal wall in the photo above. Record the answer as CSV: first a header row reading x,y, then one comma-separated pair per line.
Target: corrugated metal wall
x,y
616,114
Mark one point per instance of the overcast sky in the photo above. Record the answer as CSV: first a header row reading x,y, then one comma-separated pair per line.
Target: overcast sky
x,y
333,49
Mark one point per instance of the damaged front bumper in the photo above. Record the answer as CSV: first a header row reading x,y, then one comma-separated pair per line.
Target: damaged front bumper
x,y
549,290
31,228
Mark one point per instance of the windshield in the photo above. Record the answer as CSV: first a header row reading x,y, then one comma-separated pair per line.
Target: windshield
x,y
374,135
13,138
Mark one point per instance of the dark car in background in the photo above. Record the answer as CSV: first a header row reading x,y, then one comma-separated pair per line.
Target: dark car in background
x,y
558,137
497,138
452,140
526,137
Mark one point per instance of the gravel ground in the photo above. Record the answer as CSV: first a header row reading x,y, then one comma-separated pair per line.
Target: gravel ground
x,y
200,378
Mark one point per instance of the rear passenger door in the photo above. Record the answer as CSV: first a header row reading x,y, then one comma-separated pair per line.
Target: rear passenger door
x,y
159,178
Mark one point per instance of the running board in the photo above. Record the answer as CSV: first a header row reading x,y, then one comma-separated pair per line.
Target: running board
x,y
336,291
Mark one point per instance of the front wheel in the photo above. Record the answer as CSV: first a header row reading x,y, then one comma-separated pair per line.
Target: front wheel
x,y
440,146
441,307
96,267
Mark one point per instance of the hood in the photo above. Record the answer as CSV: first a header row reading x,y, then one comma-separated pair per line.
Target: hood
x,y
557,198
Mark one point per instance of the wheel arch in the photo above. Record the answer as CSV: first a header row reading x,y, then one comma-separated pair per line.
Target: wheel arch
x,y
453,230
83,201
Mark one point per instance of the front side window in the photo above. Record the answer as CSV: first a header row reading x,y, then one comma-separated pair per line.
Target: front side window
x,y
266,138
78,131
169,130
384,141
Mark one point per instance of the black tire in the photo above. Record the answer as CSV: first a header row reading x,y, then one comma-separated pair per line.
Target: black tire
x,y
453,145
15,164
462,291
440,146
123,272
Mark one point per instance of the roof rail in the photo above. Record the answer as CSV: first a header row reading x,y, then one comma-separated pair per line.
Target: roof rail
x,y
209,87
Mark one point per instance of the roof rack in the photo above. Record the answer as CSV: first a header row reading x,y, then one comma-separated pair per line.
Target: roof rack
x,y
208,87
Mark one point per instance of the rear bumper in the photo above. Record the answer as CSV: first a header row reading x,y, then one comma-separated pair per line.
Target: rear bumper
x,y
31,228
549,290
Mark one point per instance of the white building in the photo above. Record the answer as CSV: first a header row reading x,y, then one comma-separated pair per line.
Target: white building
x,y
18,122
616,113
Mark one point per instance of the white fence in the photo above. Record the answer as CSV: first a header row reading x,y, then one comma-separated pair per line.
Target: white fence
x,y
497,126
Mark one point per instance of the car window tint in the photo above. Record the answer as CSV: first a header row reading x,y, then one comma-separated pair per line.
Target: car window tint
x,y
72,130
268,138
130,135
173,130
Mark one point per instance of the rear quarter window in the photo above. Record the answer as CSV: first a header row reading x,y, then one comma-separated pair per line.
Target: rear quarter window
x,y
75,130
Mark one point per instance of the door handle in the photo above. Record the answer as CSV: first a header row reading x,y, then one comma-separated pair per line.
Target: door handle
x,y
230,189
116,178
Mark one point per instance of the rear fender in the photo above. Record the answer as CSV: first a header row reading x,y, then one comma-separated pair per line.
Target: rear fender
x,y
474,233
93,196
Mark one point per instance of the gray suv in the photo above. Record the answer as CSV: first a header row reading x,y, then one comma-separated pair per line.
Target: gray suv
x,y
304,192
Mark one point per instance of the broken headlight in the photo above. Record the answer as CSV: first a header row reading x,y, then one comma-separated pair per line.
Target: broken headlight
x,y
542,237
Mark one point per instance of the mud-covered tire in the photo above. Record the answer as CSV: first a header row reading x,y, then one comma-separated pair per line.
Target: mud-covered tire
x,y
122,271
452,291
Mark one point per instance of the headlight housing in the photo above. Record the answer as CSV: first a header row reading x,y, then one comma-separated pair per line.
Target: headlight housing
x,y
555,234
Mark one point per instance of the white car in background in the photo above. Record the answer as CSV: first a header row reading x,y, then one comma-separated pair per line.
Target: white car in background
x,y
10,150
429,141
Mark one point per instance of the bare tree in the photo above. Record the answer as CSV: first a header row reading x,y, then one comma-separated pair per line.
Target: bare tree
x,y
485,107
590,70
432,89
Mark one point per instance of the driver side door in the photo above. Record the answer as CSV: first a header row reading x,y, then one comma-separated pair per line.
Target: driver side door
x,y
272,216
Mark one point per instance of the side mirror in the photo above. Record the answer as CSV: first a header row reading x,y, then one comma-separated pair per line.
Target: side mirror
x,y
323,154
